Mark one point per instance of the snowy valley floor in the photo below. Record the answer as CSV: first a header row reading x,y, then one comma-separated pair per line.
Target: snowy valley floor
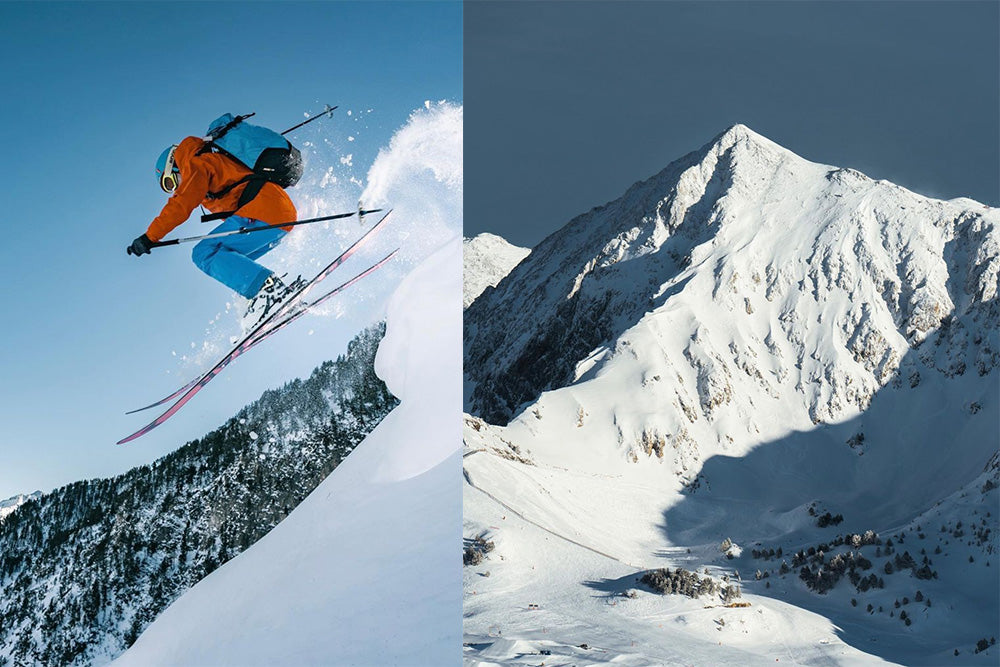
x,y
579,590
568,546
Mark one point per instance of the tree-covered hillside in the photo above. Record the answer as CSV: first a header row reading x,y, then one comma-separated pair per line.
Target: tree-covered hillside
x,y
84,569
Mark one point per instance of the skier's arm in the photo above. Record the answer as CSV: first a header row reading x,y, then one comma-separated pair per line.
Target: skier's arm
x,y
191,192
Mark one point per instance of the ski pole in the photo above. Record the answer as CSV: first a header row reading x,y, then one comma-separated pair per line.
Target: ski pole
x,y
250,230
328,112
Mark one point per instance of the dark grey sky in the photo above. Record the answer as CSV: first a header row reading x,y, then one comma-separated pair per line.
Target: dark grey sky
x,y
567,104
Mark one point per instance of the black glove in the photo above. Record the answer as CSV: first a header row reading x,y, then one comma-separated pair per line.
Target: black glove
x,y
140,246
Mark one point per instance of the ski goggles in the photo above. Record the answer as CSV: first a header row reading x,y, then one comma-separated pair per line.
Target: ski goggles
x,y
170,178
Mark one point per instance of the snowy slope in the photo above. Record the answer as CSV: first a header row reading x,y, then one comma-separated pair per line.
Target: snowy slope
x,y
583,616
96,561
365,571
487,258
820,277
11,504
737,346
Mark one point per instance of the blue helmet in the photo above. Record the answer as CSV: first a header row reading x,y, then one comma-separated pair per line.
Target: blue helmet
x,y
166,171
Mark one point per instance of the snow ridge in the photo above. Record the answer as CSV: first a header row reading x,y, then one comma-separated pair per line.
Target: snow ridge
x,y
487,259
9,506
744,226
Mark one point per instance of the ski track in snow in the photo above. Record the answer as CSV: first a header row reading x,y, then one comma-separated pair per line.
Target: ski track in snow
x,y
472,483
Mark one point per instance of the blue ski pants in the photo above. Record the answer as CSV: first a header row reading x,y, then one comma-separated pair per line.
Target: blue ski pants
x,y
230,259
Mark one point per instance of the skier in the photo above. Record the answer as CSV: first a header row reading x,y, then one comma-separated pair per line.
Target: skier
x,y
194,176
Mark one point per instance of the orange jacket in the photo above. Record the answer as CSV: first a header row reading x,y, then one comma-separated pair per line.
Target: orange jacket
x,y
210,172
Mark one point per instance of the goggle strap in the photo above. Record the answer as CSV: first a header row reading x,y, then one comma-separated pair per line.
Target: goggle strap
x,y
168,173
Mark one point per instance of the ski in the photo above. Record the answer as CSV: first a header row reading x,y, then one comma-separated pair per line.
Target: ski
x,y
261,335
247,341
167,398
306,307
361,212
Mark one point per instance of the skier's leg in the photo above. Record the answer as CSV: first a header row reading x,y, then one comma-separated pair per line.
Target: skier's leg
x,y
255,248
230,259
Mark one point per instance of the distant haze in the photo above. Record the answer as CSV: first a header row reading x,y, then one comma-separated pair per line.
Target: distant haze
x,y
570,103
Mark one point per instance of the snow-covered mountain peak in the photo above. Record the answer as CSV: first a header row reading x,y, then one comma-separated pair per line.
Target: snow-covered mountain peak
x,y
7,507
487,242
740,275
740,132
741,138
487,258
746,348
686,199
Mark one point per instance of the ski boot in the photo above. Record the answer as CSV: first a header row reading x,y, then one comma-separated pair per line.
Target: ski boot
x,y
272,294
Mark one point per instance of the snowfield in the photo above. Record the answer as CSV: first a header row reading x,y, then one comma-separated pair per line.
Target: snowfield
x,y
580,592
745,364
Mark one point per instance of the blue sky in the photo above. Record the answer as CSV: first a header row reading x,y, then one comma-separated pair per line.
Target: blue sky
x,y
92,93
569,103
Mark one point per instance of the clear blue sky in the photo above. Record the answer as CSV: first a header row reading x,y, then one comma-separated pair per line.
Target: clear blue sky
x,y
569,103
92,92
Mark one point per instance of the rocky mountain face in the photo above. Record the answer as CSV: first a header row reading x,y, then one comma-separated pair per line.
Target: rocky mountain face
x,y
764,277
84,569
486,259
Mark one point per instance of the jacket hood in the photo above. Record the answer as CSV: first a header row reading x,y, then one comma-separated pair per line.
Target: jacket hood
x,y
186,150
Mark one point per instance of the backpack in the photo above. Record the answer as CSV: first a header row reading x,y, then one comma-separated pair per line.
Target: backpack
x,y
268,155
